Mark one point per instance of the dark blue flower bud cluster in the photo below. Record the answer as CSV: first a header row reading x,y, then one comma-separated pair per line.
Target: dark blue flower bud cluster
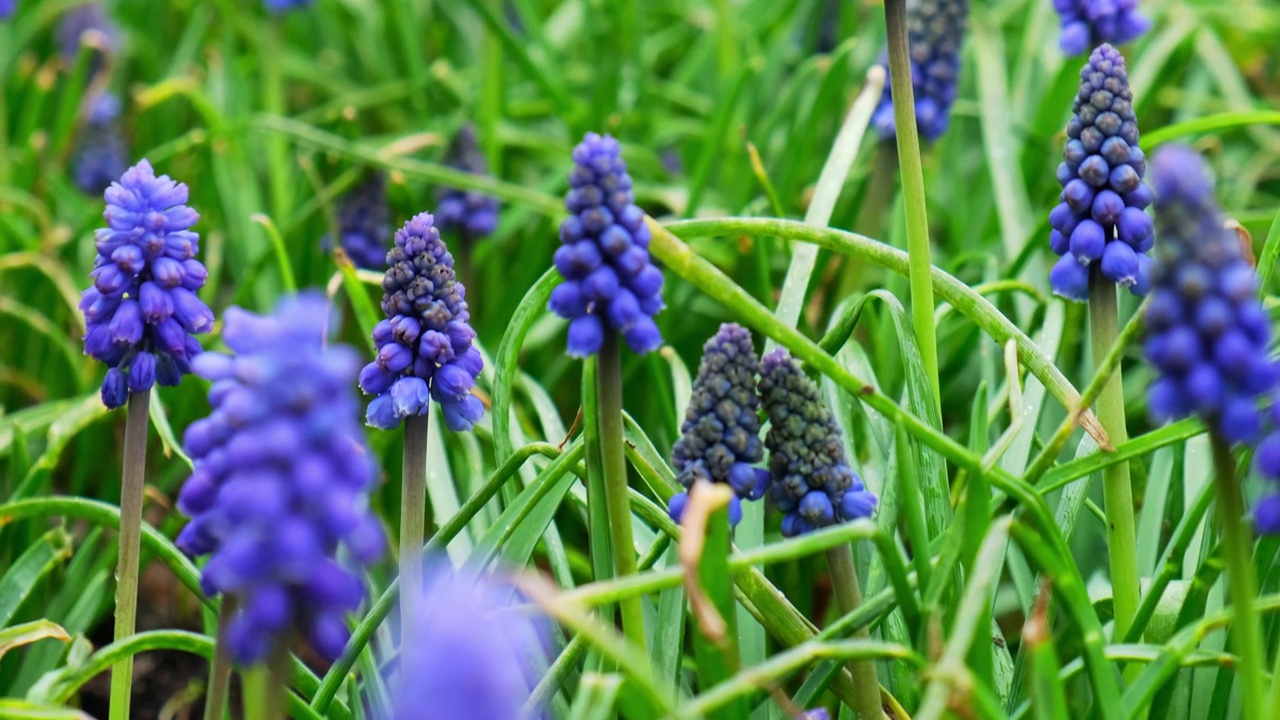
x,y
935,33
812,483
101,155
610,283
1100,222
1088,23
473,651
1207,332
720,436
281,480
424,346
471,214
364,223
142,309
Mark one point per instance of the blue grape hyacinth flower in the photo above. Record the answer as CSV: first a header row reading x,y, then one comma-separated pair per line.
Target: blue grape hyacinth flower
x,y
1089,23
364,223
279,6
81,19
471,214
281,479
1101,222
811,480
8,8
935,34
101,155
474,652
425,348
720,436
142,309
1207,331
610,284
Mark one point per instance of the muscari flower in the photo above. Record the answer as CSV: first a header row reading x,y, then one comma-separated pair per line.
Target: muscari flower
x,y
1088,23
935,32
812,483
142,309
1207,332
472,651
471,214
1100,222
100,155
364,223
720,436
610,282
278,6
424,346
8,8
280,481
82,19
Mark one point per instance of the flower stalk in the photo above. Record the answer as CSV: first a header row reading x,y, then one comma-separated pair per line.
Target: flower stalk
x,y
135,470
844,580
215,700
413,520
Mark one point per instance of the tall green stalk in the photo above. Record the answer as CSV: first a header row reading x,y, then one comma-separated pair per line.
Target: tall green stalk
x,y
844,580
215,700
614,464
134,477
904,118
413,521
1117,494
264,686
1237,540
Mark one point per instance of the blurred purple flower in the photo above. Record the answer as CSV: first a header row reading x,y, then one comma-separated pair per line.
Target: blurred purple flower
x,y
471,214
364,223
935,33
101,155
1089,23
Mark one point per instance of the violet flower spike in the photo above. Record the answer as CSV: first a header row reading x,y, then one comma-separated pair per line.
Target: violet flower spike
x,y
364,223
935,34
471,214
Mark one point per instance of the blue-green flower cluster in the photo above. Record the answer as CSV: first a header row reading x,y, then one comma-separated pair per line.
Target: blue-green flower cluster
x,y
720,436
812,482
935,33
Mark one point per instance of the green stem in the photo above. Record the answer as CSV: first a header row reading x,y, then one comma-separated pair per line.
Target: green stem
x,y
263,688
215,701
413,520
1237,538
1104,328
614,463
904,117
844,579
135,471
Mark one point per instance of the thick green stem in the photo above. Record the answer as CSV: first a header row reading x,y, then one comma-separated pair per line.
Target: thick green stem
x,y
1104,327
264,686
413,521
844,579
135,472
614,463
215,700
904,118
1237,540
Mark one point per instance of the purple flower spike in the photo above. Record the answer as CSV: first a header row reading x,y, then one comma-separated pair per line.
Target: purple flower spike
x,y
101,155
935,33
812,482
720,437
1100,223
141,306
88,18
426,341
473,654
471,214
1088,23
281,479
610,282
364,223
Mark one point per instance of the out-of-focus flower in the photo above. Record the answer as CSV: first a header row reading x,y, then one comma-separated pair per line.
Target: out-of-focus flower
x,y
424,346
101,155
1088,23
364,223
8,8
720,436
812,483
279,6
88,18
610,282
142,309
935,33
471,214
281,480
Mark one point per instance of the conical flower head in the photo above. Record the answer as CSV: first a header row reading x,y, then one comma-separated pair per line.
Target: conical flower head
x,y
1088,23
1100,223
610,283
281,480
473,653
1207,332
935,33
101,155
364,223
811,480
142,309
720,436
471,214
425,348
